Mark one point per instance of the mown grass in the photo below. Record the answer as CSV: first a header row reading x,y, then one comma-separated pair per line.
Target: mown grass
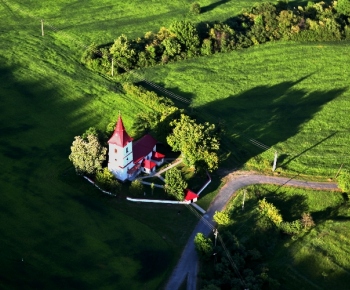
x,y
316,259
292,97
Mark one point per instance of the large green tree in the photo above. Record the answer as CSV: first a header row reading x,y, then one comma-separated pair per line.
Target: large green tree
x,y
87,154
197,142
175,183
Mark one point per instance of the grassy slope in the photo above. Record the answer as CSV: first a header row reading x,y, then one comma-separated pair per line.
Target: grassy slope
x,y
68,235
315,260
290,96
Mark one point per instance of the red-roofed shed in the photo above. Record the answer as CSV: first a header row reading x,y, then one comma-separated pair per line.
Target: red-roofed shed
x,y
190,195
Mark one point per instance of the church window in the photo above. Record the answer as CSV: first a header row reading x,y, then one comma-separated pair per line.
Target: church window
x,y
116,159
127,149
115,150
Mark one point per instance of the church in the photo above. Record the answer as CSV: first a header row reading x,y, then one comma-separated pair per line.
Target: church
x,y
127,159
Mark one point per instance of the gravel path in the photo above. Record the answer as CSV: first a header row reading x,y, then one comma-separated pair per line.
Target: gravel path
x,y
188,263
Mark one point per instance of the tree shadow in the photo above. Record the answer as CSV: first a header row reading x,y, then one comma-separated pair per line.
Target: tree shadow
x,y
268,114
173,93
291,207
212,6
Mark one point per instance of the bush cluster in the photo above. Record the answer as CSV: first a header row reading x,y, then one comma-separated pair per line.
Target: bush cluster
x,y
262,23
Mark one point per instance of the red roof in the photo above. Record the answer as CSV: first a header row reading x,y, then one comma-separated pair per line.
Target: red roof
x,y
190,194
143,147
148,164
120,137
157,156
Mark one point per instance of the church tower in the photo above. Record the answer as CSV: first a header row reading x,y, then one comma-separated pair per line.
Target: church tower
x,y
120,155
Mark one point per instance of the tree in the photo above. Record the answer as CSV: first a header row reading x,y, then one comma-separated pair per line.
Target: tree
x,y
174,183
87,154
221,218
343,7
197,142
344,181
124,53
204,246
187,35
270,211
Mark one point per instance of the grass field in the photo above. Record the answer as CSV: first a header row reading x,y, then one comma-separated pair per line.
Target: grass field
x,y
66,232
317,259
292,97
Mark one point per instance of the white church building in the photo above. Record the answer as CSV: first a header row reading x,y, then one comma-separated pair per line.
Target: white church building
x,y
127,159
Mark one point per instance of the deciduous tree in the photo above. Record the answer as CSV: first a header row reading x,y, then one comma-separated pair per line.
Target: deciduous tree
x,y
197,142
87,154
204,246
175,183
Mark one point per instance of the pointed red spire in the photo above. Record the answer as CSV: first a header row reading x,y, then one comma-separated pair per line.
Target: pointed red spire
x,y
120,137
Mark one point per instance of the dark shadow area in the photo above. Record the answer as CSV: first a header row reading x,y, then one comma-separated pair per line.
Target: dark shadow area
x,y
269,114
173,93
152,262
291,207
212,6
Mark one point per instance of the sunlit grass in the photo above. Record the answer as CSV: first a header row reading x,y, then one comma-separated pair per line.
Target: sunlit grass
x,y
317,259
292,97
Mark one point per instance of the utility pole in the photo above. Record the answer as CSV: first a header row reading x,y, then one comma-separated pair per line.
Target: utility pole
x,y
245,191
112,67
274,162
42,27
215,235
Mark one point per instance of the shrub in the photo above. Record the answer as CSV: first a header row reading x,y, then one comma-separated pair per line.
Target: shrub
x,y
291,228
136,188
106,180
221,218
195,8
344,181
307,220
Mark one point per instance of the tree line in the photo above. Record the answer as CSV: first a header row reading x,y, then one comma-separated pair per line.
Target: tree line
x,y
262,23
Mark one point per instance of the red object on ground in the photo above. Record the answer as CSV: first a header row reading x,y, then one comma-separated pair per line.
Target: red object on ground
x,y
189,195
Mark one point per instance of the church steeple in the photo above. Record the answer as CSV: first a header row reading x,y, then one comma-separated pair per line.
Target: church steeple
x,y
120,137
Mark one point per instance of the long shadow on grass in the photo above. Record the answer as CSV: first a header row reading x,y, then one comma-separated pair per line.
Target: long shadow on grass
x,y
213,6
269,114
37,125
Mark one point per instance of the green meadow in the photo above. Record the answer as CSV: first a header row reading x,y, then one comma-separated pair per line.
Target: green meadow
x,y
56,230
315,259
291,97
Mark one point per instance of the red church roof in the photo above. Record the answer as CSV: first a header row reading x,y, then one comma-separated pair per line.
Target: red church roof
x,y
143,147
120,137
189,195
148,164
